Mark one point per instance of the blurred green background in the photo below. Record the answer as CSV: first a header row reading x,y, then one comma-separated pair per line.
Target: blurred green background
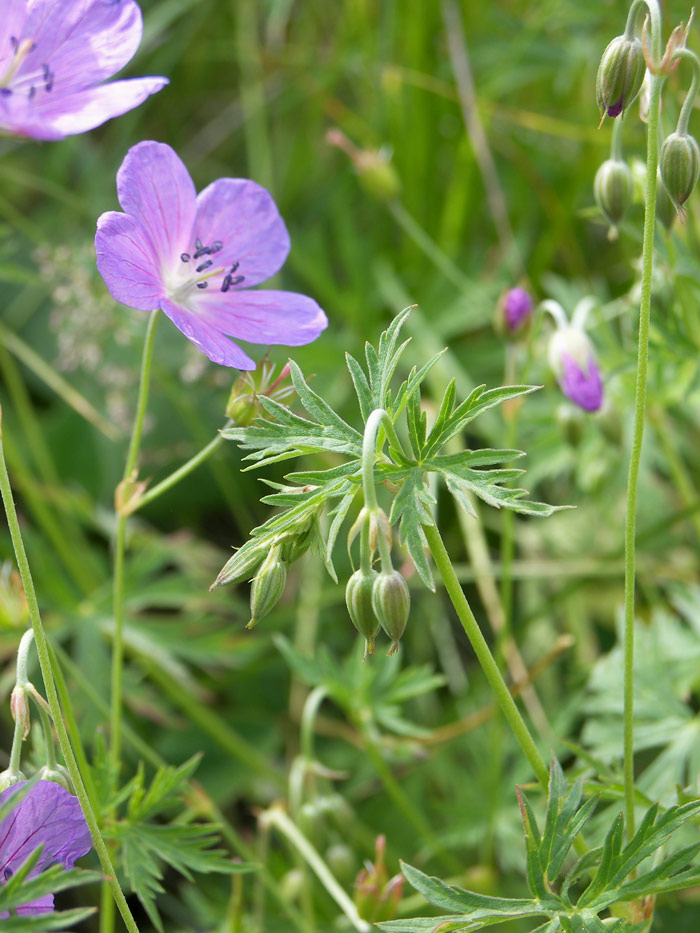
x,y
255,87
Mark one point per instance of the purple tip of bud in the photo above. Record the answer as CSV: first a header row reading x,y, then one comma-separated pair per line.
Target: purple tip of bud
x,y
614,110
583,388
517,307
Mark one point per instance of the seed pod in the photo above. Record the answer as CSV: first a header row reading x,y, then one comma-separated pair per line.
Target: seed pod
x,y
620,75
391,602
613,188
267,587
358,599
679,165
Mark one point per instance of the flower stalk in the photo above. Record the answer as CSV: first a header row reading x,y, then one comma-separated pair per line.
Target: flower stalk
x,y
637,440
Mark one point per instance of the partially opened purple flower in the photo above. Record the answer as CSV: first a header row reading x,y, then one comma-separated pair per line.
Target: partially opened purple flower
x,y
572,357
50,817
53,56
197,256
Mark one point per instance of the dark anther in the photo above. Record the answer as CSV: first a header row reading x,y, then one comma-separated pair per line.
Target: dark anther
x,y
5,91
198,243
226,284
7,874
32,92
204,265
185,257
14,42
238,279
216,246
202,251
234,267
202,284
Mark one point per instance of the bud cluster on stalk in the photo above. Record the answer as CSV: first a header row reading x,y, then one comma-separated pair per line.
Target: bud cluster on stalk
x,y
624,65
374,598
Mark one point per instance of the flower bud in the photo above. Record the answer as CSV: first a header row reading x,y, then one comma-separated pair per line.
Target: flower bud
x,y
377,896
8,778
59,775
613,189
19,707
242,565
358,599
516,307
620,75
679,165
572,359
267,587
391,602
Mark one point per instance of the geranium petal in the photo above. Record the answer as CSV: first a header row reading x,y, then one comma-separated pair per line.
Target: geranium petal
x,y
11,27
126,262
55,117
244,218
211,342
82,41
47,816
268,317
154,185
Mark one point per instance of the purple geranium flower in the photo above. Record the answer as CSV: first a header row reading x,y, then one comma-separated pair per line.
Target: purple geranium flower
x,y
48,816
583,386
517,308
196,256
572,357
53,56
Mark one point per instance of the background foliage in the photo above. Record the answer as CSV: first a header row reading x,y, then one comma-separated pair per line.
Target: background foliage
x,y
410,745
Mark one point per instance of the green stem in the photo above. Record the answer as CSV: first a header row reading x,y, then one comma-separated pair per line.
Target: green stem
x,y
637,439
378,418
639,9
484,656
689,102
616,142
120,548
182,471
16,751
276,817
42,648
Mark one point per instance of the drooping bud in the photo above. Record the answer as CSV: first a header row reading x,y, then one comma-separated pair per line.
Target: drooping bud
x,y
620,75
516,308
679,166
613,189
267,586
8,778
373,166
19,707
572,359
391,602
358,599
59,775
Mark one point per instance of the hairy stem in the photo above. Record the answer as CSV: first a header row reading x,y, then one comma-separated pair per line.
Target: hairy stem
x,y
637,439
120,547
484,656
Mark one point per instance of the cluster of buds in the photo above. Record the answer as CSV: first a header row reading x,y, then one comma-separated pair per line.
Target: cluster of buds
x,y
626,63
377,599
572,357
264,562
